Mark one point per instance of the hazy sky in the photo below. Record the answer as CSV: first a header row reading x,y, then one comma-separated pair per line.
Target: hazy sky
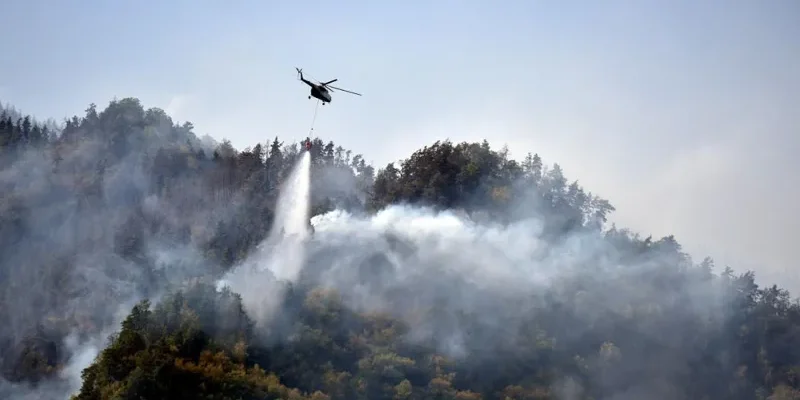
x,y
684,114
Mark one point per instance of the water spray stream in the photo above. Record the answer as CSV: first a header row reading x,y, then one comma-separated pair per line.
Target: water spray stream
x,y
292,210
282,255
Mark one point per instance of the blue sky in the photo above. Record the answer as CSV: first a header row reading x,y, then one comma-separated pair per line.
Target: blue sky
x,y
684,114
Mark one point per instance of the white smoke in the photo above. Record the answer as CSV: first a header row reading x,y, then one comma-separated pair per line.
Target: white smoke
x,y
467,287
485,255
84,352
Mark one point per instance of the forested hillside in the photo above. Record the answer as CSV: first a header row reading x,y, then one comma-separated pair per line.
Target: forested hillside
x,y
458,273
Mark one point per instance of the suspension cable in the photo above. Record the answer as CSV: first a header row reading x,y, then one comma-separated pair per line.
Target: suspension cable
x,y
313,120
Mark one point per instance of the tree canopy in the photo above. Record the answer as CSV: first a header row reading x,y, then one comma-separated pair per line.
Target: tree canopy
x,y
125,210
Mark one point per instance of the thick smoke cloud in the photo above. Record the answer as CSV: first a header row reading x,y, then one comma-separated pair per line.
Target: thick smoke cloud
x,y
478,291
404,259
483,293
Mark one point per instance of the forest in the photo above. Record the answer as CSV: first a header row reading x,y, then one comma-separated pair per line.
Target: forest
x,y
457,273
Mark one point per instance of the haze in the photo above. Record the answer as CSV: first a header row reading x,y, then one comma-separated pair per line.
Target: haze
x,y
684,115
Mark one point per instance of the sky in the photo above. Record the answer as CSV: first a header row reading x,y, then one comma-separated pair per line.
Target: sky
x,y
685,115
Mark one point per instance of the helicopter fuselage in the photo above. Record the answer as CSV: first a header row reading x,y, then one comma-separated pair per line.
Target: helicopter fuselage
x,y
321,93
318,91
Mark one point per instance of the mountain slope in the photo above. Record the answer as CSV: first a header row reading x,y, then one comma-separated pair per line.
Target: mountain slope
x,y
458,273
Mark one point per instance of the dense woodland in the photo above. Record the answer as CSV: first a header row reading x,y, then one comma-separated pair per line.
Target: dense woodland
x,y
124,203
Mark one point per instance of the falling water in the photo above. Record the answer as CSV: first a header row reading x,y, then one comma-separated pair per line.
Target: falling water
x,y
291,216
282,255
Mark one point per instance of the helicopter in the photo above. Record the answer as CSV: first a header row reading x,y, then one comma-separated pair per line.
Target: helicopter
x,y
321,90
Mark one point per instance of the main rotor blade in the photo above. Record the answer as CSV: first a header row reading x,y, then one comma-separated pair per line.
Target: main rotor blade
x,y
345,90
329,82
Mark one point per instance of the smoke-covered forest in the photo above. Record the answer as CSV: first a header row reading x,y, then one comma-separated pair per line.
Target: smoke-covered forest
x,y
458,273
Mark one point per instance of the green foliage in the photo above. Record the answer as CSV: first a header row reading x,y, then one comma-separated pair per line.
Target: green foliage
x,y
192,345
198,343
